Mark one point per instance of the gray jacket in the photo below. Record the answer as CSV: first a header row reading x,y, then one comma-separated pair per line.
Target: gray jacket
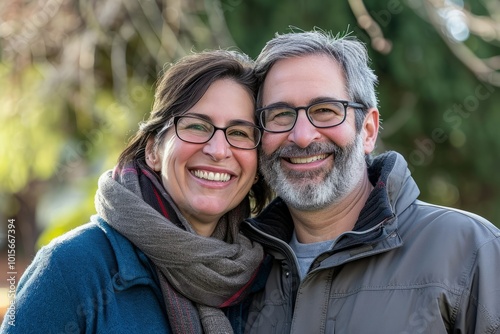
x,y
407,267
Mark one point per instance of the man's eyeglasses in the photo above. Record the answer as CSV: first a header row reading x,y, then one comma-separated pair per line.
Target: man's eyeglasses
x,y
326,114
196,130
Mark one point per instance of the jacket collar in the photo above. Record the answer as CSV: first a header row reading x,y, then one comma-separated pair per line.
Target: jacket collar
x,y
133,265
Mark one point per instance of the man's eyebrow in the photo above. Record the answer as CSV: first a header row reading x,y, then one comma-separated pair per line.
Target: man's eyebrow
x,y
276,104
320,99
317,99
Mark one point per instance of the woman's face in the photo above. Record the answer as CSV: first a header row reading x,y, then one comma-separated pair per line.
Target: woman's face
x,y
186,168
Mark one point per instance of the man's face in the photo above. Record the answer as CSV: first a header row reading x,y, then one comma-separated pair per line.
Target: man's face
x,y
309,167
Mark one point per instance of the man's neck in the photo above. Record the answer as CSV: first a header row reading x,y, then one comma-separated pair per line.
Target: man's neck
x,y
330,222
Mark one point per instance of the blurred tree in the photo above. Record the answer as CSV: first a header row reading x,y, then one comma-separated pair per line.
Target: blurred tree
x,y
77,76
446,53
75,79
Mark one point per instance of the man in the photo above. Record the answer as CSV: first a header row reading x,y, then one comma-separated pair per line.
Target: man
x,y
352,248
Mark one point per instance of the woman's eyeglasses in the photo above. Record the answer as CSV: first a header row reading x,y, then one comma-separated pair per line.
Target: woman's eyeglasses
x,y
196,130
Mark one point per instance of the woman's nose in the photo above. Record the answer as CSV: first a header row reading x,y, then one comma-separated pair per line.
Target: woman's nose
x,y
217,147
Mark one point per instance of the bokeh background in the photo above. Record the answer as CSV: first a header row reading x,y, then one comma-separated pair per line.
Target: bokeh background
x,y
77,76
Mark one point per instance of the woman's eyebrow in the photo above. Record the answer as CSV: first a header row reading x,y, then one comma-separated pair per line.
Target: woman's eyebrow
x,y
241,122
202,116
231,122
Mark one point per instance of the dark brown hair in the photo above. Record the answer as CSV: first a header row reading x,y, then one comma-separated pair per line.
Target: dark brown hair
x,y
180,87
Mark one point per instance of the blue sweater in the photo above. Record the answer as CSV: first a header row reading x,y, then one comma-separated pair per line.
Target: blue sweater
x,y
93,280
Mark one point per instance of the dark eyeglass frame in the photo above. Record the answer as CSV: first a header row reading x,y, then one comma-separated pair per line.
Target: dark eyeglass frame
x,y
345,104
215,128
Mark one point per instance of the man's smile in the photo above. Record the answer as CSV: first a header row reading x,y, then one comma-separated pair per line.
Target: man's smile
x,y
306,160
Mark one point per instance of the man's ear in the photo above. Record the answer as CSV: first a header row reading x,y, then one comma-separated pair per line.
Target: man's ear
x,y
153,159
370,130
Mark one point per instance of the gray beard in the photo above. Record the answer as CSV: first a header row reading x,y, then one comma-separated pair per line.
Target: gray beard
x,y
320,188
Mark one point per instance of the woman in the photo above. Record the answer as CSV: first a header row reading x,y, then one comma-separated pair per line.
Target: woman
x,y
164,253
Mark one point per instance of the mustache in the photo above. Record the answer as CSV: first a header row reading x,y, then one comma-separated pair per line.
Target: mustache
x,y
294,151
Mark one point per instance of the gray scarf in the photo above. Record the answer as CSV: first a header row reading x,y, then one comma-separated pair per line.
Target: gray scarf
x,y
209,272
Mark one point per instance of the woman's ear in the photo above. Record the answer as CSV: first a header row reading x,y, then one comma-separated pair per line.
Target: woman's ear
x,y
153,159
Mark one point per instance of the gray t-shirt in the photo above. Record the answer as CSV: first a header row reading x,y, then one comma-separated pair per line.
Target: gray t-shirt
x,y
306,253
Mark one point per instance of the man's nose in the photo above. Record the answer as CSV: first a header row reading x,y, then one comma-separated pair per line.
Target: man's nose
x,y
304,132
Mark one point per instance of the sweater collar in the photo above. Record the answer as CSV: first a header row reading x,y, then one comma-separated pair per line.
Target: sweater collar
x,y
377,207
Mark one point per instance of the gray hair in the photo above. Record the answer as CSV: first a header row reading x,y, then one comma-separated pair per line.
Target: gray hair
x,y
348,51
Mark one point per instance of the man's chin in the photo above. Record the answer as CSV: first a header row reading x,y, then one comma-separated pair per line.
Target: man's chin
x,y
304,206
304,180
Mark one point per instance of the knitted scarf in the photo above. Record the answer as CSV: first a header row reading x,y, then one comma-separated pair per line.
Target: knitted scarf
x,y
198,275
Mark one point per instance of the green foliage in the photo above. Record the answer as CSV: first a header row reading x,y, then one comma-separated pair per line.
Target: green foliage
x,y
28,141
76,78
253,23
94,150
76,83
78,212
434,110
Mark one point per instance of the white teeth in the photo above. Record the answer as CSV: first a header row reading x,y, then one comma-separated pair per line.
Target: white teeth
x,y
211,176
308,159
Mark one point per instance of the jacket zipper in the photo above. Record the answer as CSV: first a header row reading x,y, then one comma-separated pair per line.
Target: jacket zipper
x,y
283,248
